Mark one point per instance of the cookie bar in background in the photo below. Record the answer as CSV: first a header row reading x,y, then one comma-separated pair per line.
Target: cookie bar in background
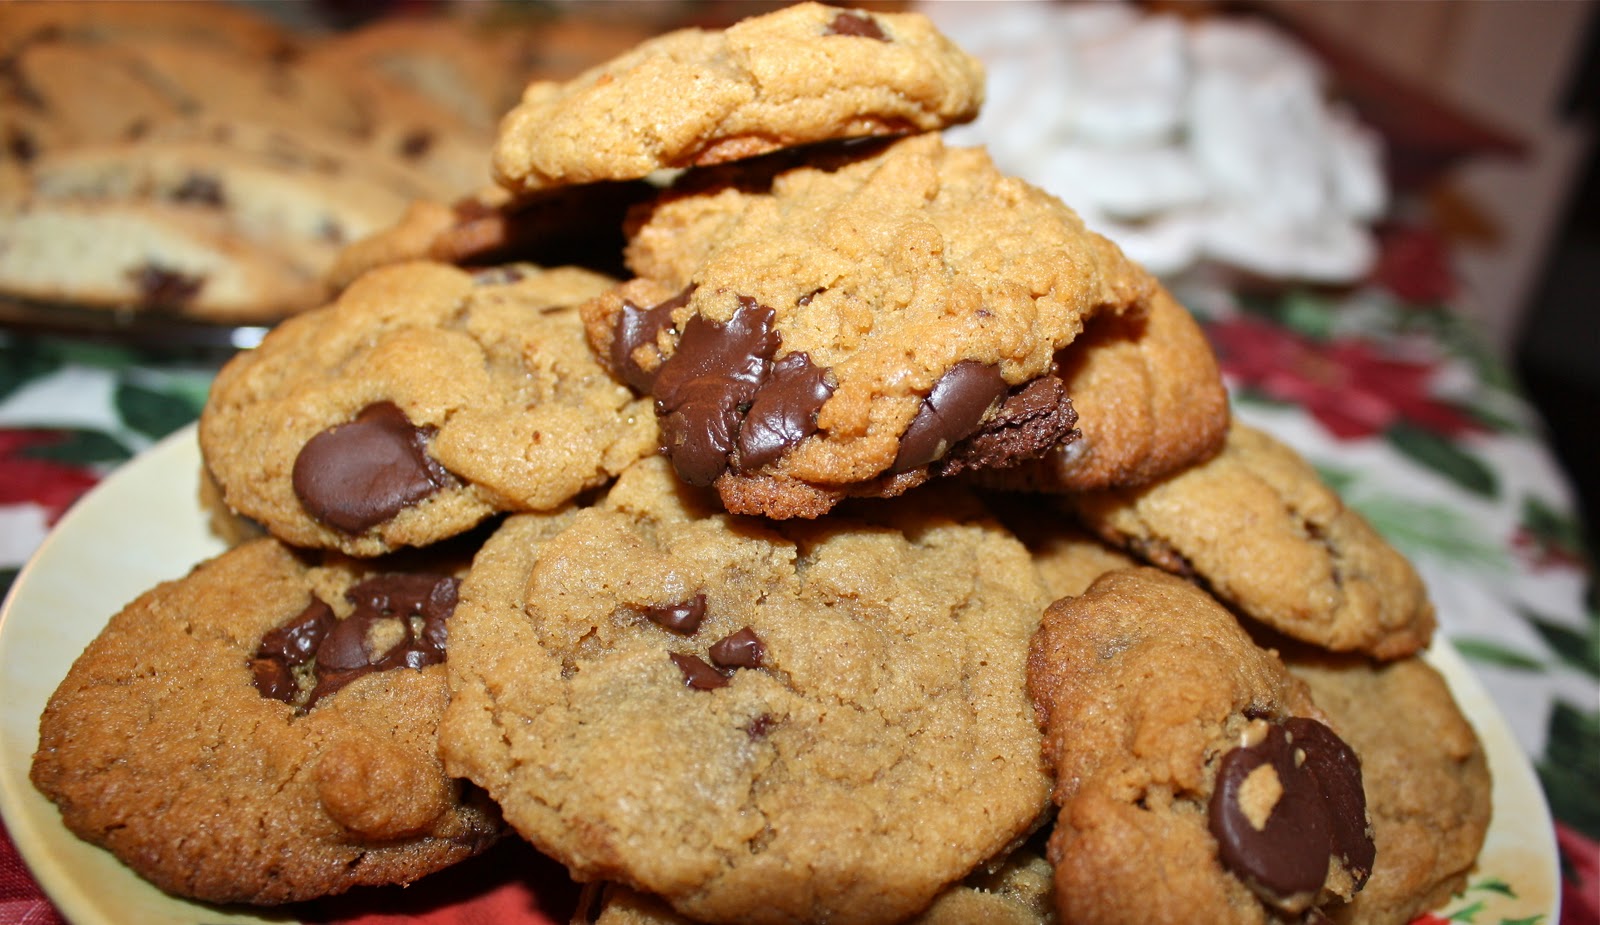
x,y
1257,526
420,403
1197,781
263,730
858,325
758,721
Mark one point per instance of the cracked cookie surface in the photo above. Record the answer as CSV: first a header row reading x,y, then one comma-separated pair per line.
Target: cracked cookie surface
x,y
1257,525
423,400
160,746
805,73
757,721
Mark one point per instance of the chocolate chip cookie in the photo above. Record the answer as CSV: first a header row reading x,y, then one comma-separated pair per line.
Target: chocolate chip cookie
x,y
1196,779
805,73
857,327
263,730
1150,401
421,402
1259,528
1426,775
757,721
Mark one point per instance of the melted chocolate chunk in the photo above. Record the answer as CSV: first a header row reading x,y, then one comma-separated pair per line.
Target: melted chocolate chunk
x,y
783,411
1282,808
953,409
857,24
705,388
355,476
161,286
697,674
420,605
1031,421
639,327
1338,773
202,189
680,618
296,642
739,650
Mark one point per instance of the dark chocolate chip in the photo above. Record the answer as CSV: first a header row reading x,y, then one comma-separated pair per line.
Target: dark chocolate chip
x,y
296,642
680,618
783,411
703,390
419,603
739,650
697,674
639,327
1285,861
355,476
1338,773
161,286
1032,420
274,679
758,727
199,188
857,24
953,409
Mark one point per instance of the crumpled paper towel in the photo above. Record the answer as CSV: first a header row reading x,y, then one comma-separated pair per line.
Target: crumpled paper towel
x,y
1185,141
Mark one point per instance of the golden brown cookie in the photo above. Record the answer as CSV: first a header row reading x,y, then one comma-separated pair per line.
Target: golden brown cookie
x,y
1257,526
422,401
263,730
857,326
805,73
1150,401
1196,779
1427,779
758,721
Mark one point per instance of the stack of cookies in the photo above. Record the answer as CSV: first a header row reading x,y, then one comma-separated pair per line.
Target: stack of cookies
x,y
875,547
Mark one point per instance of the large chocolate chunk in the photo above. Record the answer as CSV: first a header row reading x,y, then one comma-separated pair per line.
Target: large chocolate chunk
x,y
697,674
1031,421
355,476
953,409
639,327
1283,807
703,390
783,412
419,605
287,647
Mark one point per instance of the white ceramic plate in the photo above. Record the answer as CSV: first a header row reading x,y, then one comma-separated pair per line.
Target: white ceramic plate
x,y
144,525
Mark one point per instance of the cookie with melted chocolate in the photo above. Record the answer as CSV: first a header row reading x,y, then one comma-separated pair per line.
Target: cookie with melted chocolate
x,y
1426,778
859,326
1258,526
422,401
264,729
759,721
1197,781
806,73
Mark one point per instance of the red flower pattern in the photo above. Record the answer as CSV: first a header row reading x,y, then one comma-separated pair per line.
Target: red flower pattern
x,y
1347,384
52,485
